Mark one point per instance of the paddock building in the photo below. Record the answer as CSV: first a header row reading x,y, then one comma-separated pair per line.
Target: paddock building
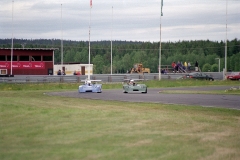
x,y
29,61
69,69
35,61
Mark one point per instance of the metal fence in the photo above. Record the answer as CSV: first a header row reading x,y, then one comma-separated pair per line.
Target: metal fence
x,y
104,77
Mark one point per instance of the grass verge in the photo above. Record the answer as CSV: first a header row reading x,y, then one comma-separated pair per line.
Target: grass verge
x,y
74,86
228,91
36,126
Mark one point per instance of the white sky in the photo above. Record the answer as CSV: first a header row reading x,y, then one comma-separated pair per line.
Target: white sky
x,y
131,20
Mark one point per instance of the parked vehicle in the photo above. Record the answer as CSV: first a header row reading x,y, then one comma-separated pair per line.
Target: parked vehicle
x,y
233,76
138,68
198,75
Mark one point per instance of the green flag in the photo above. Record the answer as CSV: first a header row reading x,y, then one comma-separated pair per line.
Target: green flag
x,y
161,7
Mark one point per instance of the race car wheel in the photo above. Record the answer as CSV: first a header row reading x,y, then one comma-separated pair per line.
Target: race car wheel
x,y
145,91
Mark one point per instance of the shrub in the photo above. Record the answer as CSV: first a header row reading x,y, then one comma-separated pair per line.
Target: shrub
x,y
206,67
214,68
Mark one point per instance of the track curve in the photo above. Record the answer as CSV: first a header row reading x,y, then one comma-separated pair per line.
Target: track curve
x,y
153,96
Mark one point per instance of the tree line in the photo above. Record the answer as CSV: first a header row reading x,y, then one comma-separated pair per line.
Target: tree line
x,y
125,54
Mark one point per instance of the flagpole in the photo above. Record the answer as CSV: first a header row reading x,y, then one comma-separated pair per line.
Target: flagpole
x,y
89,41
111,40
61,40
160,43
226,41
12,39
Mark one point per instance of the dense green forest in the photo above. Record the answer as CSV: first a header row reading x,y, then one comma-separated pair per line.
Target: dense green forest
x,y
126,53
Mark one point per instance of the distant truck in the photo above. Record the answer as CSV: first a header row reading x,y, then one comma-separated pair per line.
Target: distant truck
x,y
138,68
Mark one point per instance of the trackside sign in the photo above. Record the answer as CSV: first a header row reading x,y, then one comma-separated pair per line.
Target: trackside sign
x,y
22,65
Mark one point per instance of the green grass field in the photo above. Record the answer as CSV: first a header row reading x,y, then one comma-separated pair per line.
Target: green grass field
x,y
36,126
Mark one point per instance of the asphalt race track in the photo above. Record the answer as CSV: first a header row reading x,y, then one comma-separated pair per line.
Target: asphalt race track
x,y
153,96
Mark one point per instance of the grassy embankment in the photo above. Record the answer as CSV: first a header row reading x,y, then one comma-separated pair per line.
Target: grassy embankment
x,y
37,126
150,84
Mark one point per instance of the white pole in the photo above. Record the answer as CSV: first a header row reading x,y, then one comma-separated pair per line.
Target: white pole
x,y
53,62
111,40
12,39
219,65
61,40
89,41
226,40
160,45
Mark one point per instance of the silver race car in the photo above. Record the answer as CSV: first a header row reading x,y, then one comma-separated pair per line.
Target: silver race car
x,y
90,86
132,86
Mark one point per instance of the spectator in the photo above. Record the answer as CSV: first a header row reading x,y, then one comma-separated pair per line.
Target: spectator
x,y
59,72
63,72
196,66
164,71
178,66
185,65
189,66
174,66
78,73
74,73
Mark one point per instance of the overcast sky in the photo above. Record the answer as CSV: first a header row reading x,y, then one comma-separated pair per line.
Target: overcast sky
x,y
131,20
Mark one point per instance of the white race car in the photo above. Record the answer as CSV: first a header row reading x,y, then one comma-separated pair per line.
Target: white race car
x,y
90,86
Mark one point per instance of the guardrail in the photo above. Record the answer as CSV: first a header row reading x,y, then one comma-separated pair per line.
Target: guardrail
x,y
104,77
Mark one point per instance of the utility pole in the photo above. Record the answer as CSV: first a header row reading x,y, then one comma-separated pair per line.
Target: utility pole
x,y
160,43
111,40
226,40
89,51
12,40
